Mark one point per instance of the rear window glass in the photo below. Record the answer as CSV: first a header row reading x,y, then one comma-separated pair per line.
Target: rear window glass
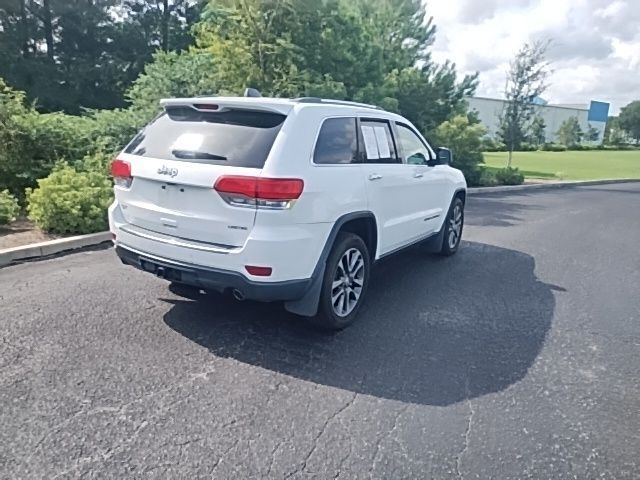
x,y
239,138
337,142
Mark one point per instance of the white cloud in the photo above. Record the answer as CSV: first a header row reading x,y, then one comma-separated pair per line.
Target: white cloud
x,y
594,51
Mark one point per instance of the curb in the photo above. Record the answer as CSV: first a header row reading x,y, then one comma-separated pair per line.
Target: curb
x,y
43,249
52,247
538,186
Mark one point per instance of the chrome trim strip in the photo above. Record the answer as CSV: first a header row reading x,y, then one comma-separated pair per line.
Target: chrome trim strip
x,y
179,243
407,245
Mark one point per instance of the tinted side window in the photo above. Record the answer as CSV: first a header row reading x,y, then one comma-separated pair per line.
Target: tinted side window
x,y
414,151
337,142
239,138
379,146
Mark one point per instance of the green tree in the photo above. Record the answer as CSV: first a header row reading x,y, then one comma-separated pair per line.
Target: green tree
x,y
70,54
593,134
629,119
464,138
371,51
613,133
173,74
526,80
538,131
570,133
162,24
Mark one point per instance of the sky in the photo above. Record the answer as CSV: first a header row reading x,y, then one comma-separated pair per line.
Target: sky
x,y
594,50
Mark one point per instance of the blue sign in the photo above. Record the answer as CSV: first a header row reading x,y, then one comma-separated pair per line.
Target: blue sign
x,y
598,111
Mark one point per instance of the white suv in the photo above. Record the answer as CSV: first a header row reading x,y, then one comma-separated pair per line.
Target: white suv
x,y
281,199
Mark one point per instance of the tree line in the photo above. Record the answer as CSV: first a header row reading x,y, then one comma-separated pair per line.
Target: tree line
x,y
74,54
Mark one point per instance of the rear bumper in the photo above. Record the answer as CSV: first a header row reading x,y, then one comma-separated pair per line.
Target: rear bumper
x,y
212,278
292,251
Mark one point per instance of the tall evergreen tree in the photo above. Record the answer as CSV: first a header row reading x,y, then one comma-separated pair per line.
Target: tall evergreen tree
x,y
70,54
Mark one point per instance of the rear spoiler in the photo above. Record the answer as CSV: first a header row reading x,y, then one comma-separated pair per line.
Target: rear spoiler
x,y
220,104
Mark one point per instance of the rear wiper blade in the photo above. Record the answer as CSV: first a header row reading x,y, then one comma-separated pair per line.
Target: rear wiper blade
x,y
195,155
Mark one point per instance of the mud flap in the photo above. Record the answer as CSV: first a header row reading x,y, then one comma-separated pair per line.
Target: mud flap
x,y
307,306
434,243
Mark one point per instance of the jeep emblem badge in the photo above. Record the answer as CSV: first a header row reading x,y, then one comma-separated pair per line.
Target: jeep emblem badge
x,y
172,172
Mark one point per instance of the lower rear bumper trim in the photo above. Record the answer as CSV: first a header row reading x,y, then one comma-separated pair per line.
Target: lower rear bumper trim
x,y
214,279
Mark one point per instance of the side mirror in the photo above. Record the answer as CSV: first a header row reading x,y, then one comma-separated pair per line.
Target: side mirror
x,y
444,156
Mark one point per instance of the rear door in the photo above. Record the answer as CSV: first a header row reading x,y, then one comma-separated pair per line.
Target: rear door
x,y
176,160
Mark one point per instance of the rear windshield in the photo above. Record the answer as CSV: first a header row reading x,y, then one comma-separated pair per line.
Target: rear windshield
x,y
239,138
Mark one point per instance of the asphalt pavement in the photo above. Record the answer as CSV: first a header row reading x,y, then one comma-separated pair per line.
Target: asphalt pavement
x,y
517,358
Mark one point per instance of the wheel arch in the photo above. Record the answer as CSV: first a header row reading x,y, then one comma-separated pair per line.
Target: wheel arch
x,y
365,226
361,223
460,193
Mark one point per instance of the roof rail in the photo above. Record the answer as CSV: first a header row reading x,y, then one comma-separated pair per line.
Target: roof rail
x,y
335,102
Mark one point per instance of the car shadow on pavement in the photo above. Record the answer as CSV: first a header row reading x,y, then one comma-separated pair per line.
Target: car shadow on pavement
x,y
495,211
432,331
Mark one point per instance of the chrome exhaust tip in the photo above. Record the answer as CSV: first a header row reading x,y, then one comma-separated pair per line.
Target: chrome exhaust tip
x,y
238,295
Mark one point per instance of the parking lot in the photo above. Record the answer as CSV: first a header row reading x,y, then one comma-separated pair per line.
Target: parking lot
x,y
516,358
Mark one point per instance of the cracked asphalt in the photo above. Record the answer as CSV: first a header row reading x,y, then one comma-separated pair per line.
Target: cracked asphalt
x,y
516,358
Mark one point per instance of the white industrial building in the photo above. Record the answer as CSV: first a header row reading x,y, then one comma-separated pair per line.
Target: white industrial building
x,y
594,115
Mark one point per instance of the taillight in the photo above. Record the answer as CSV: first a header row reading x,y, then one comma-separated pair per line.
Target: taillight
x,y
121,173
270,193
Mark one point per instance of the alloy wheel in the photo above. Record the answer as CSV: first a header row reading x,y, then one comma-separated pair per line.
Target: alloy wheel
x,y
455,226
348,281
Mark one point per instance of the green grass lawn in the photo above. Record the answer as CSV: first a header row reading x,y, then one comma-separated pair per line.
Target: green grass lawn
x,y
571,165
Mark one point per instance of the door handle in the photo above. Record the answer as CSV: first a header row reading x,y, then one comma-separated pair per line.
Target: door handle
x,y
375,176
418,175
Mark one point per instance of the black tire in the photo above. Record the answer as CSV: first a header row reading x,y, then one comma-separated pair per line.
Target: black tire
x,y
453,226
185,291
328,317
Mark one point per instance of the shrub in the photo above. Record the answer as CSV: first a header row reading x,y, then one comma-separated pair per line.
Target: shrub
x,y
493,145
12,107
487,178
554,147
464,139
527,147
44,140
68,201
472,176
9,207
99,162
110,130
31,143
509,176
